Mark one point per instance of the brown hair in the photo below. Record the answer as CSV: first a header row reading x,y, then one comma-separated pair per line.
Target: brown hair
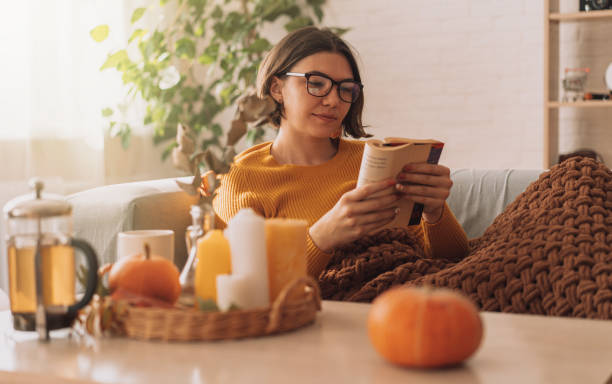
x,y
298,45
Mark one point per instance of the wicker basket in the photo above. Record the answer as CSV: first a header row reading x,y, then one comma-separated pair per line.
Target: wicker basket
x,y
295,307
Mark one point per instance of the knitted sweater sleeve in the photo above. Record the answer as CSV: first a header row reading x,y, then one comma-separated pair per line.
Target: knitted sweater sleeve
x,y
316,259
445,238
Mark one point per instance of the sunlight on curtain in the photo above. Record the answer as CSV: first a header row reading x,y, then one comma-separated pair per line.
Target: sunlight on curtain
x,y
52,89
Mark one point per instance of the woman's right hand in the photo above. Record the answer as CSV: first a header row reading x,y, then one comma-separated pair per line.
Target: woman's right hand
x,y
355,214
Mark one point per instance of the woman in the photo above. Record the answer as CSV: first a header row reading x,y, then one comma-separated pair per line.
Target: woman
x,y
310,172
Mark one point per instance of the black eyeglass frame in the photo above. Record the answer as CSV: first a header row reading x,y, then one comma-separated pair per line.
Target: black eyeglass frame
x,y
307,75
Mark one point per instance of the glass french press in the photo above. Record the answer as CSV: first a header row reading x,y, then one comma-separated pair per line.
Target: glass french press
x,y
40,252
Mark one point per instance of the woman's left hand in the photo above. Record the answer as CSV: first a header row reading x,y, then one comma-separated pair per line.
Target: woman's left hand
x,y
428,184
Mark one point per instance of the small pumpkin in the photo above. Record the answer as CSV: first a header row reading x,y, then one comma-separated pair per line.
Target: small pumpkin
x,y
147,275
424,327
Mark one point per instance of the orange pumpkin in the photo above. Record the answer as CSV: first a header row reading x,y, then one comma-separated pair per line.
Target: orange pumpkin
x,y
424,327
147,275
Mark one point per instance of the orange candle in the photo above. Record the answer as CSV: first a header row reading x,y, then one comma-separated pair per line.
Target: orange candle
x,y
213,259
286,252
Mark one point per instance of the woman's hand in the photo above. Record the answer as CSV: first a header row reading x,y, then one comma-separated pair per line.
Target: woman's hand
x,y
355,214
428,184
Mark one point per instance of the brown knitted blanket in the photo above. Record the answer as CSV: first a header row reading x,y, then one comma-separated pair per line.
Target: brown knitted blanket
x,y
549,252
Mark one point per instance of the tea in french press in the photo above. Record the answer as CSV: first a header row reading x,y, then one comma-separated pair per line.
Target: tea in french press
x,y
41,263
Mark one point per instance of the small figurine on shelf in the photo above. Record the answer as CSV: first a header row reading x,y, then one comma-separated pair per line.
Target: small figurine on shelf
x,y
573,84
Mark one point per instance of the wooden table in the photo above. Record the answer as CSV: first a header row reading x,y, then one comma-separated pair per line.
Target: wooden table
x,y
336,349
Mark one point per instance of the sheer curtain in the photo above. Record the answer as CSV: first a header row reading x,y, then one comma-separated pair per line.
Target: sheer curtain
x,y
52,90
53,93
51,96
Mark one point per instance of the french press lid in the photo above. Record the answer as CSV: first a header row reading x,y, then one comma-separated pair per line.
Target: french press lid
x,y
36,207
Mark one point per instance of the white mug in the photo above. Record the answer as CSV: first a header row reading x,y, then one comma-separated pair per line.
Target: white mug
x,y
161,243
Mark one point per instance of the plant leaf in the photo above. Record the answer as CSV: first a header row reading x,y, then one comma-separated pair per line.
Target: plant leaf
x,y
185,48
189,188
252,108
254,135
217,12
236,132
259,45
99,33
115,59
318,12
181,160
248,74
315,3
126,134
138,33
298,22
215,164
216,129
137,14
199,5
185,143
106,112
339,31
168,150
207,305
199,31
206,59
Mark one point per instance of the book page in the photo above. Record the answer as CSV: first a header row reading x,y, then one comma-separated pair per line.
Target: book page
x,y
376,165
385,159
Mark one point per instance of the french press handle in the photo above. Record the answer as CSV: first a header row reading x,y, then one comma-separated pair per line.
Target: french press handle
x,y
92,274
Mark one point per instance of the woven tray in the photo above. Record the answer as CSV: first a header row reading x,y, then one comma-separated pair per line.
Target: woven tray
x,y
295,307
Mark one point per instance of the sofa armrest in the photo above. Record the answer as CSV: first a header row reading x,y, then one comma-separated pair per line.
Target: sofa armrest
x,y
479,195
101,213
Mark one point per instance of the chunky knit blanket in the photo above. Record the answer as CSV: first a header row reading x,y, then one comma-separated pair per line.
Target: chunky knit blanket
x,y
549,252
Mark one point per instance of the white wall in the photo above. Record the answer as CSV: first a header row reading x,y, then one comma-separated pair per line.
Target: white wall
x,y
470,72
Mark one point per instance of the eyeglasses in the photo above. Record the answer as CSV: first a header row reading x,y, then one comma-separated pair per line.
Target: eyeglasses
x,y
320,85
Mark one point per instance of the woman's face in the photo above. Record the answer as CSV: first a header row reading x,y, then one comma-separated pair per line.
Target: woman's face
x,y
319,117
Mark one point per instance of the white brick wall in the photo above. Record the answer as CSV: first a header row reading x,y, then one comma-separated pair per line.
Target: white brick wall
x,y
469,72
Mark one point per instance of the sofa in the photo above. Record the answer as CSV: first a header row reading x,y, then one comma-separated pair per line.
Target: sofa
x,y
477,197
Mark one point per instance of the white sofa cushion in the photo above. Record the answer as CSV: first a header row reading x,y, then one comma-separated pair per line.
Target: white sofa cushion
x,y
479,195
101,213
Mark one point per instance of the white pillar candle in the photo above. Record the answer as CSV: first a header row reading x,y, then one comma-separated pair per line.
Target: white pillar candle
x,y
240,291
246,234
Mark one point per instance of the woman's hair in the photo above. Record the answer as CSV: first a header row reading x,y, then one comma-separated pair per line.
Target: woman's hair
x,y
293,48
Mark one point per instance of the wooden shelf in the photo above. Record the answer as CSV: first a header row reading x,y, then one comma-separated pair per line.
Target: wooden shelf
x,y
581,104
591,15
552,59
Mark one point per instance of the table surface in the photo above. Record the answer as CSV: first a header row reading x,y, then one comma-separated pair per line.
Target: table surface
x,y
515,349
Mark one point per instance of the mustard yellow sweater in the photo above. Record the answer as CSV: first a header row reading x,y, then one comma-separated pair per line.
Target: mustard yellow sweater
x,y
257,181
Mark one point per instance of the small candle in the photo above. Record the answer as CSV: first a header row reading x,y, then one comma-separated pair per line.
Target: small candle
x,y
240,291
247,238
213,259
286,249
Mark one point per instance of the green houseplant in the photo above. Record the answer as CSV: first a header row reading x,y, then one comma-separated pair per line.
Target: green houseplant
x,y
196,65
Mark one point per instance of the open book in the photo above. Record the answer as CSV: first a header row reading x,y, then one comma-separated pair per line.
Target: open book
x,y
385,159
